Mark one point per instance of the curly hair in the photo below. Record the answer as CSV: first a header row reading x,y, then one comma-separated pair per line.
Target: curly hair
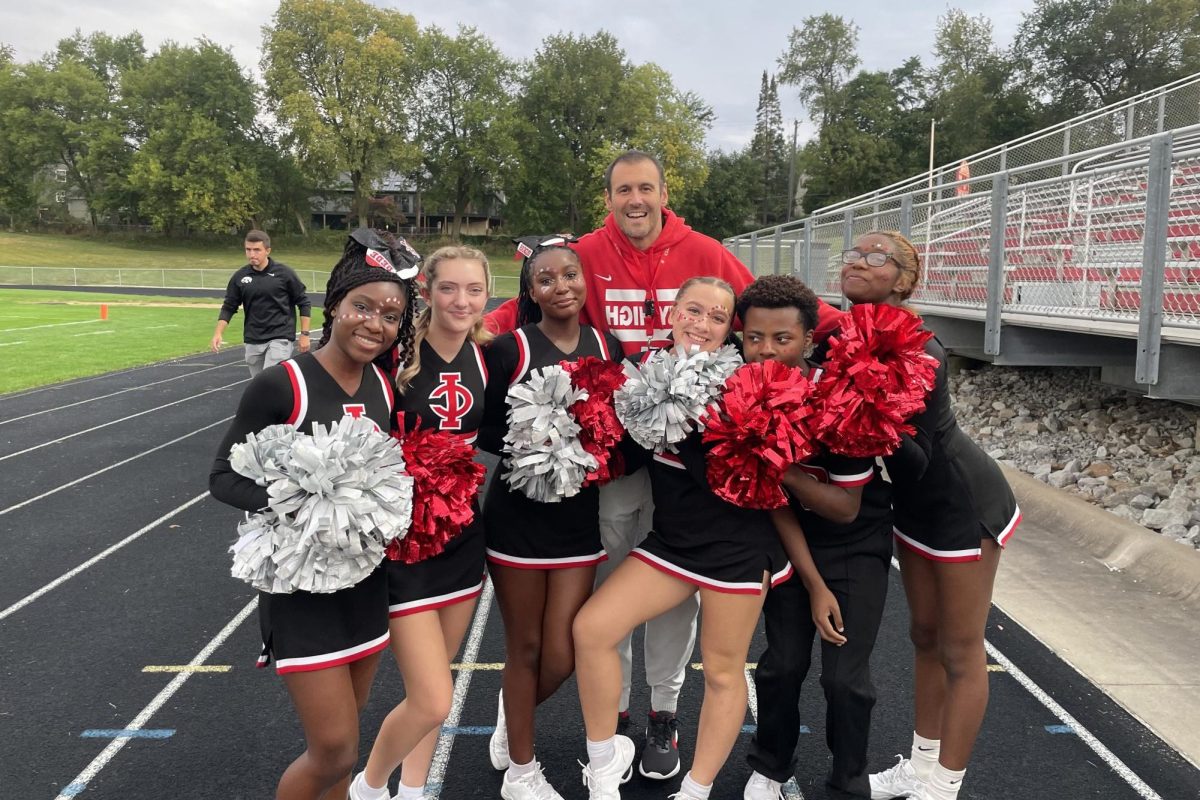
x,y
780,291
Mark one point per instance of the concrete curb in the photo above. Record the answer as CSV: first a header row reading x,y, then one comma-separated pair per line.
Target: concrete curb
x,y
1157,562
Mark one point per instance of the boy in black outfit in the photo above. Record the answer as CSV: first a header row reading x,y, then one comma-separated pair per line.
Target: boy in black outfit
x,y
843,506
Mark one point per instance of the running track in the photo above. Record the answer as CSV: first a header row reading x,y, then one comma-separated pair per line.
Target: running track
x,y
126,650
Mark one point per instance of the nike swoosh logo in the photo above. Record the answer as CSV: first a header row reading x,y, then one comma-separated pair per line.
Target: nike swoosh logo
x,y
607,278
955,783
925,749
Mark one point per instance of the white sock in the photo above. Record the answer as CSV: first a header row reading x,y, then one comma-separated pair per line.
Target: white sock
x,y
517,771
924,755
697,790
368,792
404,792
945,783
602,752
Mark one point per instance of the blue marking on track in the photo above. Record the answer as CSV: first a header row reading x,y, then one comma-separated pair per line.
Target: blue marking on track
x,y
128,733
753,728
1059,729
469,730
73,789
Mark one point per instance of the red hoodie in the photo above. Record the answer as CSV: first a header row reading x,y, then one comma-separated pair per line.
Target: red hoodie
x,y
619,276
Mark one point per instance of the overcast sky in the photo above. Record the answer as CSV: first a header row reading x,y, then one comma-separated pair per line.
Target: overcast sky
x,y
716,48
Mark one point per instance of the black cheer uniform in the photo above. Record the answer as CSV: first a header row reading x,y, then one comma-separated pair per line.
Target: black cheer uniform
x,y
947,493
853,560
303,631
524,533
702,539
448,396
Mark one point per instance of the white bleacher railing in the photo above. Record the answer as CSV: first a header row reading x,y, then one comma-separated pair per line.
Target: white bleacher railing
x,y
1106,240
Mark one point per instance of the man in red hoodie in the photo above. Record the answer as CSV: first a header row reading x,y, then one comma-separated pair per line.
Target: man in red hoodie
x,y
633,266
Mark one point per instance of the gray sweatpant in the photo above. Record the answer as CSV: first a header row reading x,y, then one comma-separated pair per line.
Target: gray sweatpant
x,y
626,516
268,354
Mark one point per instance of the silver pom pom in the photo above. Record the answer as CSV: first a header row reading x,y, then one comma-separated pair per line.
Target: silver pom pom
x,y
337,498
544,458
664,399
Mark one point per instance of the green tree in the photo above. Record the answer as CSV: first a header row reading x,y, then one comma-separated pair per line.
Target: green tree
x,y
771,152
20,149
1084,53
466,118
194,115
820,56
727,202
572,112
342,75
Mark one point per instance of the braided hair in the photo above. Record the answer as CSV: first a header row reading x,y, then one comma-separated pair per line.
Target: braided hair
x,y
371,256
530,247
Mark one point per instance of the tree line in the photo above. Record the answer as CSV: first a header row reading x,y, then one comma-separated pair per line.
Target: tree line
x,y
186,140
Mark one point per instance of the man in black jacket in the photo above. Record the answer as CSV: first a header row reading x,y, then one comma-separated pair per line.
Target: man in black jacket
x,y
269,292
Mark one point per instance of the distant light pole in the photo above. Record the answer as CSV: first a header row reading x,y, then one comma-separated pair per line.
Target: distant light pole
x,y
791,198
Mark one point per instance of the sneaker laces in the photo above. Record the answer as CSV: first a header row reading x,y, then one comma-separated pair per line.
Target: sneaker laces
x,y
536,783
760,781
893,773
660,733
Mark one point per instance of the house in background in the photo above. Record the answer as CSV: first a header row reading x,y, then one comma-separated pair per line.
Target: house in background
x,y
400,206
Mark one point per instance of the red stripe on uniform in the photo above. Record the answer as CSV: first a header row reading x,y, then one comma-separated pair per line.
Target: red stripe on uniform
x,y
667,569
297,394
334,662
387,388
522,357
603,344
1007,533
436,604
481,362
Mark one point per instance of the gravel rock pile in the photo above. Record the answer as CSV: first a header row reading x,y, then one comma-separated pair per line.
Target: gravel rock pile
x,y
1135,457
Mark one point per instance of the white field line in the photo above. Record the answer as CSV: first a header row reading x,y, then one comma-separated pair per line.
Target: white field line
x,y
79,784
95,333
96,559
113,394
69,484
51,325
1107,756
445,742
12,344
122,419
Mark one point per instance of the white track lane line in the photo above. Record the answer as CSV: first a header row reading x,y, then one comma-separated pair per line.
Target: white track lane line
x,y
114,394
122,419
52,325
57,489
96,559
81,781
11,344
445,742
1107,756
791,789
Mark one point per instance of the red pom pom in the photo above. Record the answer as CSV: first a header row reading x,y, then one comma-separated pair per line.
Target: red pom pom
x,y
760,427
877,376
446,480
600,430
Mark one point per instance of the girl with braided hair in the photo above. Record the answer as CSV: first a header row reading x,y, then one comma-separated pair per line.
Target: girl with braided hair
x,y
542,557
327,646
431,601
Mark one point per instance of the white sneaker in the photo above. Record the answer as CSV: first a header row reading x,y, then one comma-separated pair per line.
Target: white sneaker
x,y
899,781
498,744
533,786
604,783
682,796
760,787
359,790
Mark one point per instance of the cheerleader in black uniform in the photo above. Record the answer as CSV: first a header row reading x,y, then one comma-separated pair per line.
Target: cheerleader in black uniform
x,y
327,646
541,556
954,512
431,602
843,507
730,555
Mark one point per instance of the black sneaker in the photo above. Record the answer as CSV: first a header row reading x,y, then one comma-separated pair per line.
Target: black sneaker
x,y
623,721
660,756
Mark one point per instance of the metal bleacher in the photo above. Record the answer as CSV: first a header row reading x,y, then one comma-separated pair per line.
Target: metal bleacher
x,y
1078,245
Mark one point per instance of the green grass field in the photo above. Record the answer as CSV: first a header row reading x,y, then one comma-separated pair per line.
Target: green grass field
x,y
47,337
60,260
